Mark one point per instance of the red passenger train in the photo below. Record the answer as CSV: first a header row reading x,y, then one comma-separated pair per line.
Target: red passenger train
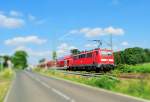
x,y
94,60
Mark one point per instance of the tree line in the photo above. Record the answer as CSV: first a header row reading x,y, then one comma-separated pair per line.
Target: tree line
x,y
18,60
132,56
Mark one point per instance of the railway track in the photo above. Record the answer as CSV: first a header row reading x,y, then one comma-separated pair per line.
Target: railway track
x,y
84,74
94,74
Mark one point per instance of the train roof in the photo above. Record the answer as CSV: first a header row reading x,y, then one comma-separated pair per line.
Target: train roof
x,y
84,52
98,49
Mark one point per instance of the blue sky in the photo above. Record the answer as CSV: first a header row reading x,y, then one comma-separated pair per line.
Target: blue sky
x,y
41,26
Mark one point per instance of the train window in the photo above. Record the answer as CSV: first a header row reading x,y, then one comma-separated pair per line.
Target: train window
x,y
109,53
106,53
83,55
75,57
89,55
79,56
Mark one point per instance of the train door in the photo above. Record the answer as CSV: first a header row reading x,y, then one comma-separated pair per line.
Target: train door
x,y
94,57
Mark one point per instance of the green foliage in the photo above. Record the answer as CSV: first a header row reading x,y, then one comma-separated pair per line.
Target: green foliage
x,y
19,60
105,82
75,51
132,56
135,55
6,73
6,58
42,60
147,51
54,55
134,87
139,68
119,57
37,69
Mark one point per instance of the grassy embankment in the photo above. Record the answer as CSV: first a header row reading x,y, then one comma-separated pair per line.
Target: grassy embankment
x,y
134,87
5,80
139,68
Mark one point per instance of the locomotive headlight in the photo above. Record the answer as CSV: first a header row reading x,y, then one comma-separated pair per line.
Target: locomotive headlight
x,y
103,59
111,60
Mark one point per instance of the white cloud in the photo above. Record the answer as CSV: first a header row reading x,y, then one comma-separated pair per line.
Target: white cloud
x,y
10,22
25,40
114,31
35,20
64,48
15,13
91,45
33,53
125,43
89,32
31,17
93,32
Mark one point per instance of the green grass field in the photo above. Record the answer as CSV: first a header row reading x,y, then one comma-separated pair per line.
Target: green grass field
x,y
5,80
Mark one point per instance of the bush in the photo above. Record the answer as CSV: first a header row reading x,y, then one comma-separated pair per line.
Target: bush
x,y
139,68
123,68
38,69
134,87
106,82
7,73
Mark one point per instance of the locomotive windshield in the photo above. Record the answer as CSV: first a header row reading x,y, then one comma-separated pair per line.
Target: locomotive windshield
x,y
106,53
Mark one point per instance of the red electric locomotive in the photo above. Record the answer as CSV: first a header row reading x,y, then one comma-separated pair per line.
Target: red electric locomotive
x,y
94,60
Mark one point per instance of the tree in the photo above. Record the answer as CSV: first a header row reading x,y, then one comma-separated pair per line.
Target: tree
x,y
6,59
147,51
135,55
75,51
54,55
19,59
42,60
132,56
119,57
